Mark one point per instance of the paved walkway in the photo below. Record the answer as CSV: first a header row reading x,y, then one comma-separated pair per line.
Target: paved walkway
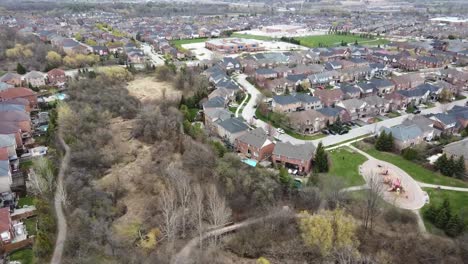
x,y
61,221
239,108
442,187
413,198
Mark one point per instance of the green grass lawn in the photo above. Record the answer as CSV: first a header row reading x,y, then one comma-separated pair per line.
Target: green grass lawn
x,y
31,225
27,200
344,163
25,165
335,40
179,42
248,36
393,114
26,256
349,140
416,171
457,203
233,109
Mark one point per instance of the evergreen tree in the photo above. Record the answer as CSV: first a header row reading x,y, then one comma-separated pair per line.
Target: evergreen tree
x,y
454,226
431,213
20,69
441,163
389,142
442,218
460,167
286,92
284,177
321,159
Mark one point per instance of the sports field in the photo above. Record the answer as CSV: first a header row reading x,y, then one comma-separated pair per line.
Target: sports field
x,y
179,42
336,40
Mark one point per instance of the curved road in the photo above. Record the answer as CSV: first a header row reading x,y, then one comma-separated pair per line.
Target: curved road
x,y
61,221
249,112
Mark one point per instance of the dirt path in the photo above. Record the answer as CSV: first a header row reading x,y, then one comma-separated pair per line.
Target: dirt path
x,y
184,255
61,220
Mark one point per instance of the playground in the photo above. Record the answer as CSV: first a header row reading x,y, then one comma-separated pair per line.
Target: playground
x,y
398,187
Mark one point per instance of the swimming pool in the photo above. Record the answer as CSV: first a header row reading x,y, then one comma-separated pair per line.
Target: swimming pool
x,y
250,162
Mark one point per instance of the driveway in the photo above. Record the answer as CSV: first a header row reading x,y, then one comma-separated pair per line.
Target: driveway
x,y
249,112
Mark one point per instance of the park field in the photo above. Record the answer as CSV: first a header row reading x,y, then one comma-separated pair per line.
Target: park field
x,y
344,164
179,42
457,203
333,40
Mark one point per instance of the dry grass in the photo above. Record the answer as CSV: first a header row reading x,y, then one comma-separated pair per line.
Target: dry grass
x,y
133,156
147,88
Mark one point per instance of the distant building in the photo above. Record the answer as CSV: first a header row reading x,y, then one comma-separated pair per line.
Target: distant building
x,y
233,45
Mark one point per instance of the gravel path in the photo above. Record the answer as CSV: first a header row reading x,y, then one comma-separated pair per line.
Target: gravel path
x,y
61,221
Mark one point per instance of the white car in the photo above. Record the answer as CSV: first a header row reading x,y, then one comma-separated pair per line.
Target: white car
x,y
280,130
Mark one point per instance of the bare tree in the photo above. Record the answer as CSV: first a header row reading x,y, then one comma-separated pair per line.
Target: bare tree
x,y
182,186
331,191
270,130
41,179
169,209
199,209
218,212
372,201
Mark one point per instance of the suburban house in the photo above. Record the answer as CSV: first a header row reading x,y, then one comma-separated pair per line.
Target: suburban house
x,y
255,144
383,86
35,78
458,149
350,92
12,129
356,108
19,118
308,121
213,115
407,81
56,77
4,86
5,175
425,124
20,93
265,73
285,103
215,102
7,231
377,104
329,97
405,135
11,78
231,128
297,102
333,113
230,64
445,122
294,156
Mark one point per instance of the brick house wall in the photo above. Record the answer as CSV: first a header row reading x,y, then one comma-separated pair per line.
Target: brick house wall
x,y
304,165
262,153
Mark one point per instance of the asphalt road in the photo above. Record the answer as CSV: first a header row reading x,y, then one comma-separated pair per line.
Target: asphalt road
x,y
156,59
249,112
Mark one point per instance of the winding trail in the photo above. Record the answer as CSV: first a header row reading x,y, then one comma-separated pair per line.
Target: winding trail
x,y
242,104
61,220
183,256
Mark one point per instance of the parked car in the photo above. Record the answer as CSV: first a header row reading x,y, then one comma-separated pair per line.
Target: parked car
x,y
325,131
280,130
417,111
255,117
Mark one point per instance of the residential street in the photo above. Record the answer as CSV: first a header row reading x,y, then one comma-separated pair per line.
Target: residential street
x,y
249,112
155,58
